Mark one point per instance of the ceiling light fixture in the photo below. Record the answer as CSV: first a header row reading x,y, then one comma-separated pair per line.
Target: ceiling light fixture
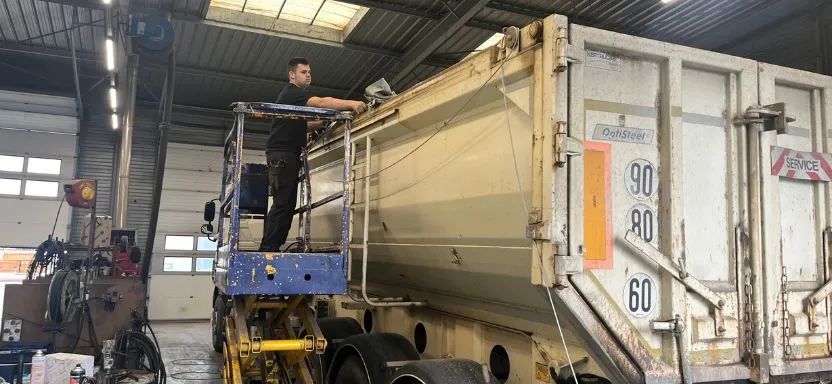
x,y
113,99
114,121
111,54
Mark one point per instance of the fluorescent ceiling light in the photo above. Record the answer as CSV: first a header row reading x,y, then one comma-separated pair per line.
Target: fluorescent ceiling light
x,y
113,99
114,121
111,55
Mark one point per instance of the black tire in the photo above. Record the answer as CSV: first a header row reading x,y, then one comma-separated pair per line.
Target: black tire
x,y
336,328
352,372
218,323
443,371
374,351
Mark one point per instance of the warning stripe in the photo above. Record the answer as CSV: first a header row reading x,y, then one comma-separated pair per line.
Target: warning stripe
x,y
823,164
780,161
791,173
813,175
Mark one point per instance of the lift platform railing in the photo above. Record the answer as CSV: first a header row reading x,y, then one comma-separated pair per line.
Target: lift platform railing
x,y
233,171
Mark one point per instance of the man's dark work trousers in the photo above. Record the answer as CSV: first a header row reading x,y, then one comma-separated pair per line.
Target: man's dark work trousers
x,y
283,181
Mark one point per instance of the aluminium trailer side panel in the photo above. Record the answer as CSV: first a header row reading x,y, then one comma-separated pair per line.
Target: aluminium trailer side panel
x,y
663,158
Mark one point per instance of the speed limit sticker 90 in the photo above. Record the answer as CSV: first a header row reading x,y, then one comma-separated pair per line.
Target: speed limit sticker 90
x,y
640,295
641,179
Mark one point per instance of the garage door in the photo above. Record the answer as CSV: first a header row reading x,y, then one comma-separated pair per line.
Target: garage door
x,y
180,284
37,154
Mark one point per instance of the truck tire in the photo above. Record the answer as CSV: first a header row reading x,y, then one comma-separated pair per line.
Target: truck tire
x,y
218,322
443,371
352,371
373,351
335,330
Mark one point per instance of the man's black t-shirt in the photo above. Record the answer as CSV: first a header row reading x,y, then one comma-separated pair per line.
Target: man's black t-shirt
x,y
286,134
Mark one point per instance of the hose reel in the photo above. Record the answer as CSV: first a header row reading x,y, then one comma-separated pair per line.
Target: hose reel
x,y
64,297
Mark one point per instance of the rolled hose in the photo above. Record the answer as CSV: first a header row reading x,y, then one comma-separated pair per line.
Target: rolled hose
x,y
63,300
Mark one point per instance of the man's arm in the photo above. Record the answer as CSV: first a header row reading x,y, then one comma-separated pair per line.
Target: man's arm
x,y
337,104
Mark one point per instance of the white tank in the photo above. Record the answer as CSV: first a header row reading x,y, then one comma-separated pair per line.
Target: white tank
x,y
528,164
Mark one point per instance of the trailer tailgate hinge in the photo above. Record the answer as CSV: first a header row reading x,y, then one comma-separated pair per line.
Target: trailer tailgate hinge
x,y
565,145
565,53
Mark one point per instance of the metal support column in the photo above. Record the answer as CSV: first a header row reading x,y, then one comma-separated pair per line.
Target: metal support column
x,y
126,144
161,158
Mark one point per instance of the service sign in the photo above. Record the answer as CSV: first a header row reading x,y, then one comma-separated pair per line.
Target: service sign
x,y
793,164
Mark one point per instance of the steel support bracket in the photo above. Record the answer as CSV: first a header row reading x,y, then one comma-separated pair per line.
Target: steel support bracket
x,y
816,298
772,116
674,325
310,344
824,291
256,343
760,368
677,272
537,229
565,145
565,265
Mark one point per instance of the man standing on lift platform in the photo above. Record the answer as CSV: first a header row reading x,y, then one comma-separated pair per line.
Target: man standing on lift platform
x,y
283,148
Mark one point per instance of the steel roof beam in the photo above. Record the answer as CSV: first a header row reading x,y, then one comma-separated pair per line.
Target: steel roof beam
x,y
745,27
180,69
228,22
518,9
450,23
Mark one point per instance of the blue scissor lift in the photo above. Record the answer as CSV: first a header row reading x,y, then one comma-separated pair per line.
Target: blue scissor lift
x,y
257,293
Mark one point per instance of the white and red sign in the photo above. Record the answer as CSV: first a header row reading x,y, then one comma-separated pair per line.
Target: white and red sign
x,y
801,165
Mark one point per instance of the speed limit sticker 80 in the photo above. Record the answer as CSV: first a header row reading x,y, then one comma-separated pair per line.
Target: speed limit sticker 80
x,y
640,295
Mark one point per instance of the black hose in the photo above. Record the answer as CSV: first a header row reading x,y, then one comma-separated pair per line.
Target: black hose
x,y
50,252
56,218
138,346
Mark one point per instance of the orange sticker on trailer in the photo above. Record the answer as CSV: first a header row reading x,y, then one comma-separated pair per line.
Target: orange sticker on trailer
x,y
597,205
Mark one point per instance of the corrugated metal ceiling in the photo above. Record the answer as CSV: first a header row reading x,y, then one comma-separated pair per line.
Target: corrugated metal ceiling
x,y
220,63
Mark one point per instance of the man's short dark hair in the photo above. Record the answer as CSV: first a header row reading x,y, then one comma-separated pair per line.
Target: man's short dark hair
x,y
293,64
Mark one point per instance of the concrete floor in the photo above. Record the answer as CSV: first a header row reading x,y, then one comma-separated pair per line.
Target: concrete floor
x,y
187,352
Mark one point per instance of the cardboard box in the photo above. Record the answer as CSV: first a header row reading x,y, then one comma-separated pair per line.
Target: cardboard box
x,y
103,227
58,366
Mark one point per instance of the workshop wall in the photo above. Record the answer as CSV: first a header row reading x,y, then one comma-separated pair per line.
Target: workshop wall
x,y
98,159
99,150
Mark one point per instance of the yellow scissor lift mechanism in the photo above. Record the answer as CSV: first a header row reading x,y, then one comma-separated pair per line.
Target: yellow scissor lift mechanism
x,y
248,355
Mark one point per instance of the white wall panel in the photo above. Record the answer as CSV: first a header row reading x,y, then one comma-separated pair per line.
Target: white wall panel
x,y
180,297
193,176
37,126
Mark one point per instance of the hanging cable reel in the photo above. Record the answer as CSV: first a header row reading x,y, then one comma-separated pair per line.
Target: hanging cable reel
x,y
64,297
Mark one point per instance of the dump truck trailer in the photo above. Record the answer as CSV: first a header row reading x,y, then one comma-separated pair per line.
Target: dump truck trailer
x,y
574,201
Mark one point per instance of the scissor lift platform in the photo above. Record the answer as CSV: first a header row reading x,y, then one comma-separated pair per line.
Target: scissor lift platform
x,y
257,293
272,273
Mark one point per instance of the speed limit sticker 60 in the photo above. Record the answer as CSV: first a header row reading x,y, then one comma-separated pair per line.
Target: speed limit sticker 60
x,y
640,295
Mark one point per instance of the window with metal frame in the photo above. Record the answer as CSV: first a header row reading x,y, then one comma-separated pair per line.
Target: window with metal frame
x,y
188,253
29,176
